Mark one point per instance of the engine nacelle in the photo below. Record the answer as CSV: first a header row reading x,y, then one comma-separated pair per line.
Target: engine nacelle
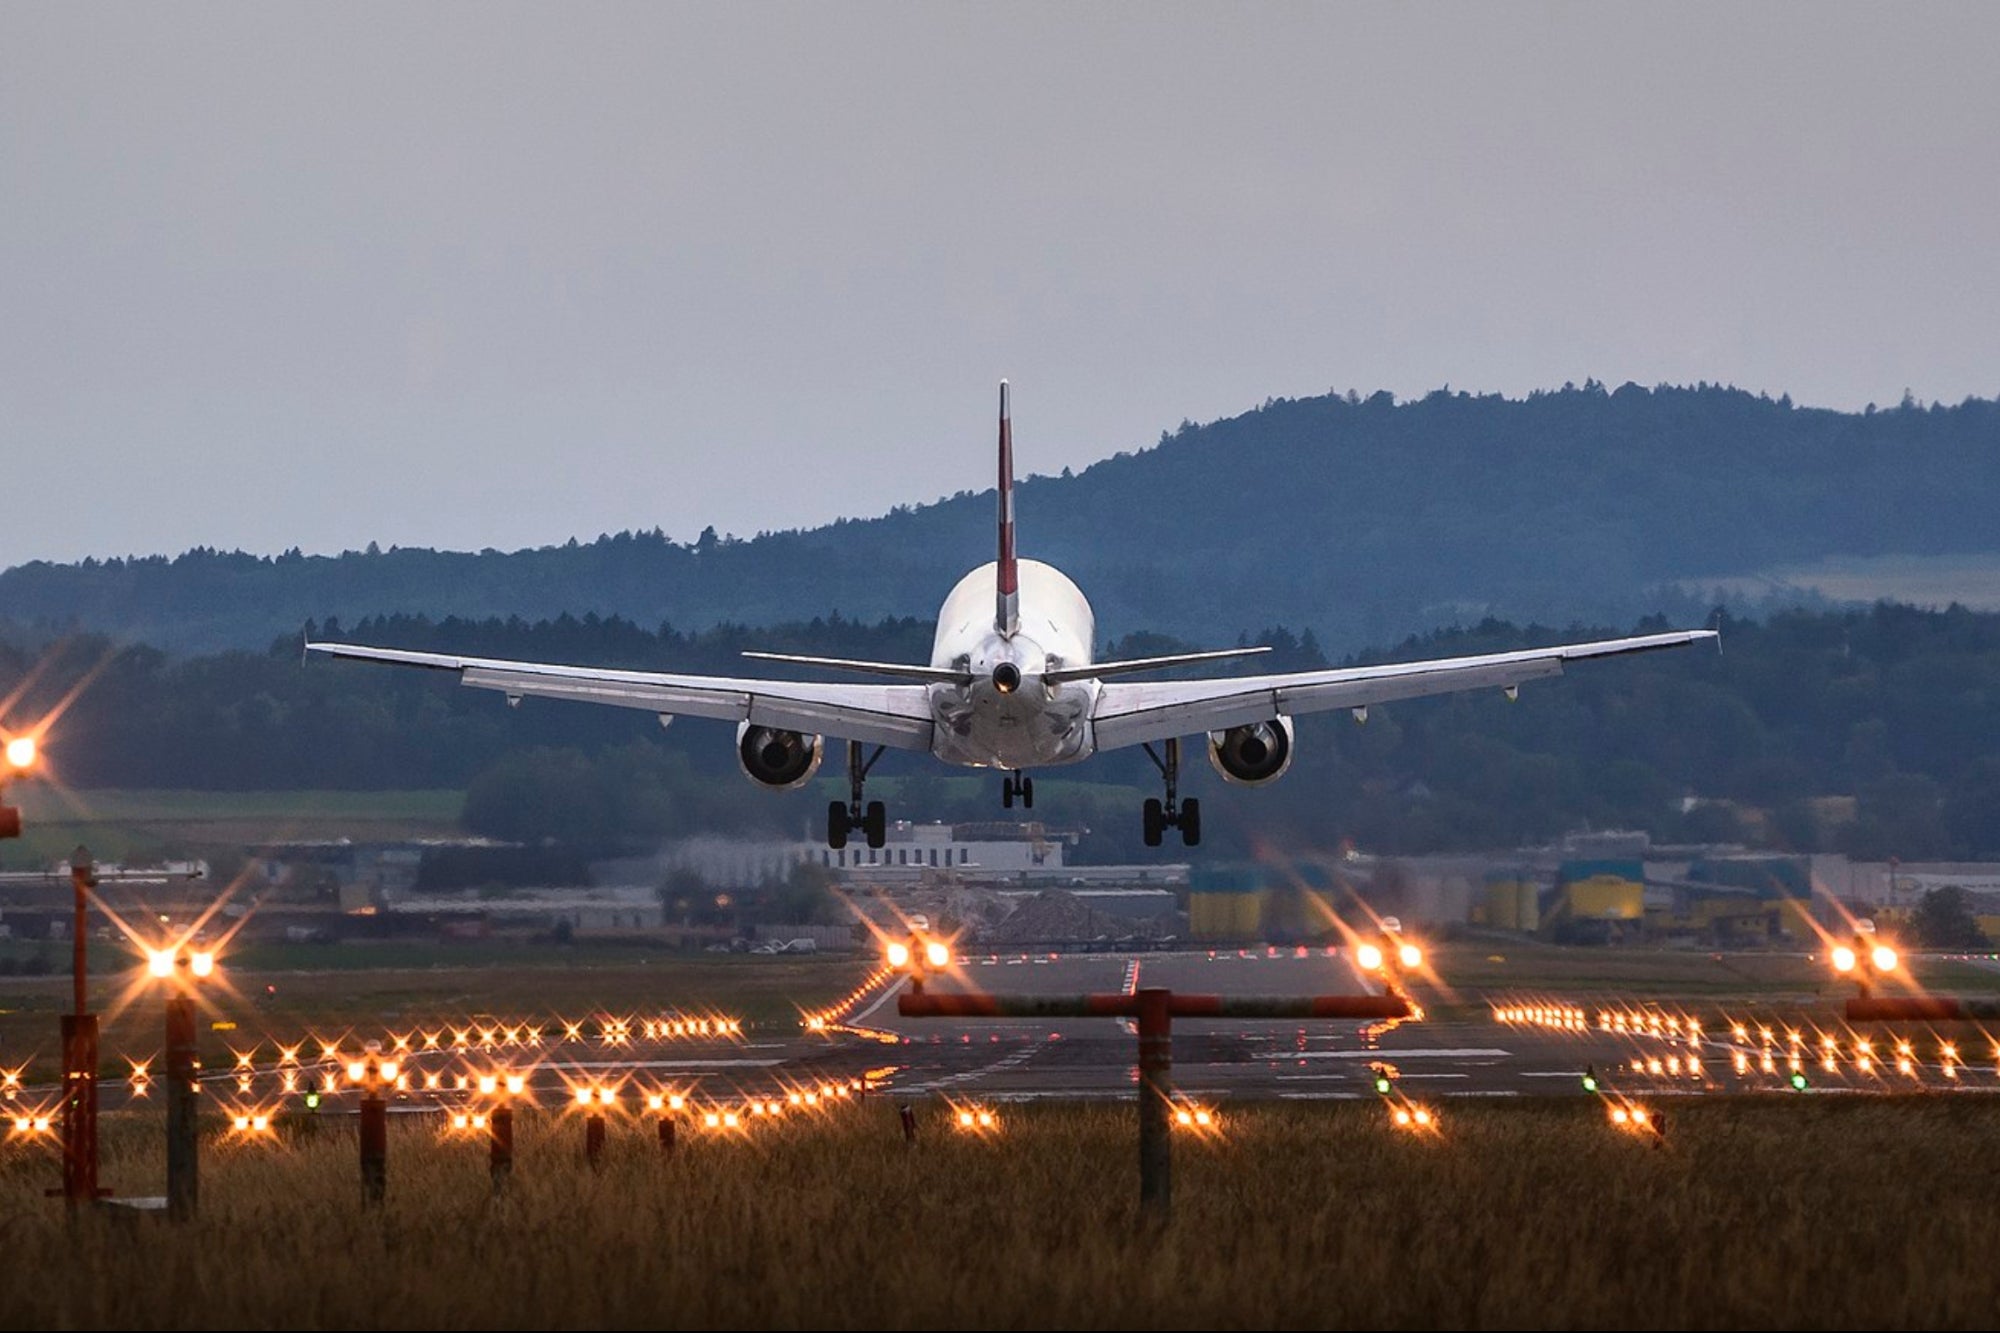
x,y
1254,753
778,759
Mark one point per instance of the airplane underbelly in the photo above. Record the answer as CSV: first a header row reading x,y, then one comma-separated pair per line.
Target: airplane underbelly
x,y
982,728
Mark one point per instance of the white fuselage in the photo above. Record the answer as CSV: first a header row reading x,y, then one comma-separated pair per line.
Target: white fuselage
x,y
1035,725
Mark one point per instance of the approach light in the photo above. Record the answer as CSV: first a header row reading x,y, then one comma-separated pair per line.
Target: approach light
x,y
21,752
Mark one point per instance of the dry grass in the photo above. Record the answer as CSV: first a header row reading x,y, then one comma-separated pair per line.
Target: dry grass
x,y
1797,1212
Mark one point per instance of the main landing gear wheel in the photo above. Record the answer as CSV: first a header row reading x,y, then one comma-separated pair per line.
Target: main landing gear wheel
x,y
1019,786
872,821
1158,816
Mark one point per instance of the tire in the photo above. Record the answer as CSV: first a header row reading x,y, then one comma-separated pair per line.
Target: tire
x,y
1154,820
1027,793
836,825
1190,823
876,824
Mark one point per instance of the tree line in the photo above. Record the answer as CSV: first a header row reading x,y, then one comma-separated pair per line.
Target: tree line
x,y
1873,732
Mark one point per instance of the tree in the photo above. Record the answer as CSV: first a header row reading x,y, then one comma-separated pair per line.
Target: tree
x,y
1944,920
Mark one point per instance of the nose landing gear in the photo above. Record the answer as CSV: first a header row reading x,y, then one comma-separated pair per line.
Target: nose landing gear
x,y
1159,816
1018,787
871,821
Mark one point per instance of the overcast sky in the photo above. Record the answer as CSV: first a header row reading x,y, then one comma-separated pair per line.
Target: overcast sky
x,y
491,275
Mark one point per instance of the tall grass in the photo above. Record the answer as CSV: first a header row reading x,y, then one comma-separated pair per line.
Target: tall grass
x,y
1809,1211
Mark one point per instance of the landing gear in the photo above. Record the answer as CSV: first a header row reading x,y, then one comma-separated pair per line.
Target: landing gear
x,y
1019,786
872,821
1158,816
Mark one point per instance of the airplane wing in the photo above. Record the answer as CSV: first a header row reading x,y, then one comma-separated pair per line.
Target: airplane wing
x,y
898,716
1130,714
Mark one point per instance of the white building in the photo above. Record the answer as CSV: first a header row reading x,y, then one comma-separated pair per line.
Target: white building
x,y
911,851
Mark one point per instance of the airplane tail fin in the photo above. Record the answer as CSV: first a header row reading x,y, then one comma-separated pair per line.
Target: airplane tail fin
x,y
1007,608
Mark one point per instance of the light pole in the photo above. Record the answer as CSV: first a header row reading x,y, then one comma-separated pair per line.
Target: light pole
x,y
371,1071
79,1044
181,971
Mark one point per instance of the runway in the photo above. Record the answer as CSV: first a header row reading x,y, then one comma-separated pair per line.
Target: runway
x,y
877,1051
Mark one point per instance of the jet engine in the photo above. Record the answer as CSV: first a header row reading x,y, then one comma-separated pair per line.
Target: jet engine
x,y
776,758
1254,753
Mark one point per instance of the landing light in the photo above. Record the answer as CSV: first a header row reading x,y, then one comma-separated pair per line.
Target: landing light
x,y
937,954
1411,955
21,752
202,964
1368,957
1884,958
899,955
160,962
1843,958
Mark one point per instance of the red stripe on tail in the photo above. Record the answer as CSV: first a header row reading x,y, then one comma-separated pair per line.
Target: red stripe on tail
x,y
1007,608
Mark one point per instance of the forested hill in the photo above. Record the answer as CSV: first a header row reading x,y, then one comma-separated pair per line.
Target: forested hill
x,y
1361,519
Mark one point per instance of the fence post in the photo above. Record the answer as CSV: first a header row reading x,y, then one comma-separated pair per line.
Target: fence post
x,y
500,1151
1156,1092
374,1148
183,1160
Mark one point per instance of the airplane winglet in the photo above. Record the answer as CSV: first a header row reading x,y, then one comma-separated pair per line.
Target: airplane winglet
x,y
1007,577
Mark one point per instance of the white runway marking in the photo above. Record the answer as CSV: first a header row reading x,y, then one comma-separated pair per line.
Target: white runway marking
x,y
1459,1053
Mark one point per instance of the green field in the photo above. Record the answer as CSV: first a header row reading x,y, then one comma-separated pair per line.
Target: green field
x,y
1471,975
140,826
373,990
1802,1212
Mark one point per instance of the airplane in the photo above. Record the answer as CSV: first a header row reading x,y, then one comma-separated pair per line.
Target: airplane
x,y
1012,685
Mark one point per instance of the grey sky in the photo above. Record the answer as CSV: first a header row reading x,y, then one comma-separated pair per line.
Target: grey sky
x,y
493,275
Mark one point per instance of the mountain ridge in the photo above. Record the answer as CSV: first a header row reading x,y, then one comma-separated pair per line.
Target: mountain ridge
x,y
1358,518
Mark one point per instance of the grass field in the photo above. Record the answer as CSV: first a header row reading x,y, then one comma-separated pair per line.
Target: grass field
x,y
385,987
1803,1212
140,826
1473,974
